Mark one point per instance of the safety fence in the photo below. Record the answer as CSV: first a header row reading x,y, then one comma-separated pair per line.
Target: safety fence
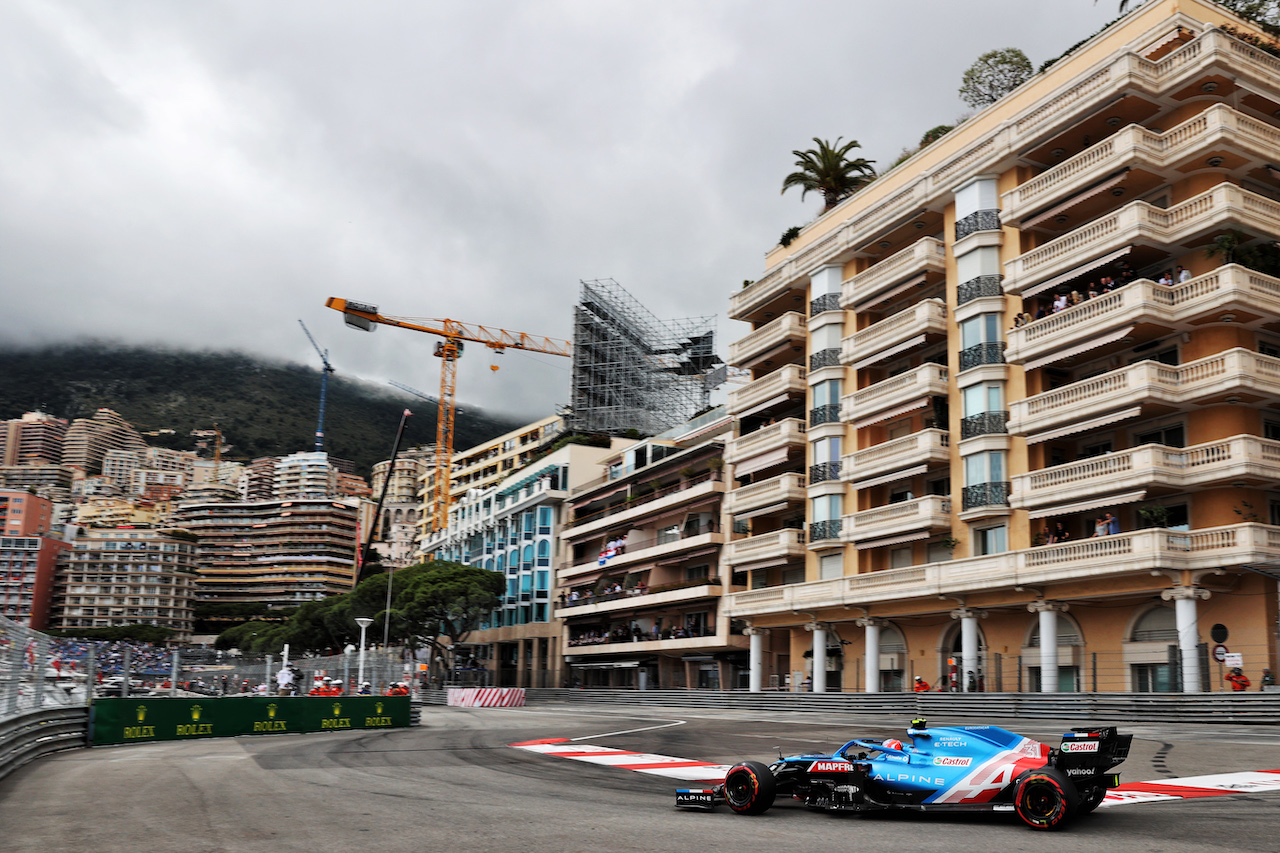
x,y
224,675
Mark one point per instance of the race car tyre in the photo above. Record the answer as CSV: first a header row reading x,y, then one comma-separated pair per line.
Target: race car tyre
x,y
1045,798
749,788
1090,799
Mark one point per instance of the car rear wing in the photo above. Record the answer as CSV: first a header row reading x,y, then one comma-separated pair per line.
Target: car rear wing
x,y
1092,751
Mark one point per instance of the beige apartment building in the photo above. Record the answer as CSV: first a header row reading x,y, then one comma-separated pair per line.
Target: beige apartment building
x,y
980,416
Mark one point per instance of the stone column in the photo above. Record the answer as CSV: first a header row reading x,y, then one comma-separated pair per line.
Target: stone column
x,y
968,642
1184,612
871,677
819,656
1048,611
756,658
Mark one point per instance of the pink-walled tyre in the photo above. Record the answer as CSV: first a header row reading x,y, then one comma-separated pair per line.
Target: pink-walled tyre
x,y
1045,799
749,788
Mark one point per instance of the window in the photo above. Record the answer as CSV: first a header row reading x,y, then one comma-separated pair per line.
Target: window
x,y
983,397
985,467
939,552
1169,436
990,540
827,508
826,393
831,566
899,558
982,329
1271,430
826,450
544,519
899,429
790,576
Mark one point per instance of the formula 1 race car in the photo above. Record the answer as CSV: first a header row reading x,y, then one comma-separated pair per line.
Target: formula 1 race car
x,y
970,768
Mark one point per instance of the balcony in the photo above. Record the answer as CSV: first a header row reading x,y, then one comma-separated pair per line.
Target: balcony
x,y
927,255
828,413
643,549
823,472
1236,375
928,447
1219,128
631,599
978,288
784,435
641,506
885,398
821,531
983,495
709,641
895,334
775,386
986,423
979,220
1134,554
1248,295
1245,459
774,340
929,513
775,492
990,352
825,302
824,358
1226,205
775,547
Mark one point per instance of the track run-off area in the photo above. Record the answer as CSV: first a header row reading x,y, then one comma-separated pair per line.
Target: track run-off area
x,y
596,780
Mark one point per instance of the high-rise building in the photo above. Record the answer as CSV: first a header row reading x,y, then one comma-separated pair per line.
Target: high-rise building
x,y
24,514
283,553
127,577
88,440
33,439
402,508
1025,435
28,565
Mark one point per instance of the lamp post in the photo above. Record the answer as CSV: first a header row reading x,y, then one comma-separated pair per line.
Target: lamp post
x,y
364,622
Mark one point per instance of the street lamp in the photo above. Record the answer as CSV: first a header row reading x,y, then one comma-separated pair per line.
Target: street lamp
x,y
364,622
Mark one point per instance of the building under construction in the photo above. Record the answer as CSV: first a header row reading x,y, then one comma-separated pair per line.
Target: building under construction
x,y
633,371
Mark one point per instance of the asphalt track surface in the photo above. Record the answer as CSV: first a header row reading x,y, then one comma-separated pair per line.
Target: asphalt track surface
x,y
454,784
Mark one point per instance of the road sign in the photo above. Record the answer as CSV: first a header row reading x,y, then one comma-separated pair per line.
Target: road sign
x,y
1234,659
1220,653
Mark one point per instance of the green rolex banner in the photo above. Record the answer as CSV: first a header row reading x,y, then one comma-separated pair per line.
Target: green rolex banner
x,y
139,720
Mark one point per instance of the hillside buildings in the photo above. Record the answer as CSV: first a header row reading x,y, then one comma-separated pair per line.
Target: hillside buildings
x,y
88,440
33,439
1013,421
28,565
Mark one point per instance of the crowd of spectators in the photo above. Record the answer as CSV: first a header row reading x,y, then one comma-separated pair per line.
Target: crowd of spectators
x,y
636,634
144,658
1093,290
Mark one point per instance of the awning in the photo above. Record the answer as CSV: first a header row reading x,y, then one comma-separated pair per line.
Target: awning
x,y
764,510
892,540
621,664
1075,273
889,353
767,404
1081,506
759,463
889,478
1092,343
1082,426
682,558
1076,199
865,304
892,413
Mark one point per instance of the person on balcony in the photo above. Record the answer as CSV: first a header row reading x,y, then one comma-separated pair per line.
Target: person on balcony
x,y
1113,524
1183,274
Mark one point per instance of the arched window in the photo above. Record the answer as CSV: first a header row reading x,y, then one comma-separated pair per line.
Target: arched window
x,y
526,557
544,553
1157,625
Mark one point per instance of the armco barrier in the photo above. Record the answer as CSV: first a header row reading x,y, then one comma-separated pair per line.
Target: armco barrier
x,y
28,736
486,697
150,719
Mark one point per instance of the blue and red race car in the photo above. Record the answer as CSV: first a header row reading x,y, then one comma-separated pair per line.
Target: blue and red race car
x,y
969,768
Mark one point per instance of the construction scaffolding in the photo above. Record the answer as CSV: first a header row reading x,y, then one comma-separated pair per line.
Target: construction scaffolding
x,y
633,371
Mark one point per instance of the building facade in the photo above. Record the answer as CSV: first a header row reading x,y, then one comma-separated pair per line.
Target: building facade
x,y
28,565
24,514
88,440
127,577
33,439
1033,440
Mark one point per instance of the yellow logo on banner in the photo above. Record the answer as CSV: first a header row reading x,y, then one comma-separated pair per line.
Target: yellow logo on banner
x,y
337,709
142,713
195,712
377,705
271,710
337,722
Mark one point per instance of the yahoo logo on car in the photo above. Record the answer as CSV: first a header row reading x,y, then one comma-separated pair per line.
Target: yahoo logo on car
x,y
952,760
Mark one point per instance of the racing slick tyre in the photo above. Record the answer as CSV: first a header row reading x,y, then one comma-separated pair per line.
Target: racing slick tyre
x,y
1045,798
1090,799
749,787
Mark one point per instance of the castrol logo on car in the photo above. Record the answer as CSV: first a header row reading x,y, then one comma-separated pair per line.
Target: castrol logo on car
x,y
952,760
1080,746
830,767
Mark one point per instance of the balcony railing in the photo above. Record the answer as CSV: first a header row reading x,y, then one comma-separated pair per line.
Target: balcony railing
x,y
976,288
929,446
1182,306
791,326
979,220
986,423
1133,554
790,380
822,530
1239,373
789,432
1240,459
884,338
825,414
1226,205
825,302
984,495
780,544
931,512
824,471
824,358
927,380
991,352
785,488
925,255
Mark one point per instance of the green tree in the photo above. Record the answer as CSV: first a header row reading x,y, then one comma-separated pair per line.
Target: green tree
x,y
827,169
995,74
443,603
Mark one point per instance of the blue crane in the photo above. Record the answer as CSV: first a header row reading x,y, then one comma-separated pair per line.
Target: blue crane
x,y
324,385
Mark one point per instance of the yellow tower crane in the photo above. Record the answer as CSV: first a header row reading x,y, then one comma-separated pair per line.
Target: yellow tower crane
x,y
360,315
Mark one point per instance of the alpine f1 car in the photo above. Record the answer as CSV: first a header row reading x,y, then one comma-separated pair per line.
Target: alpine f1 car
x,y
970,768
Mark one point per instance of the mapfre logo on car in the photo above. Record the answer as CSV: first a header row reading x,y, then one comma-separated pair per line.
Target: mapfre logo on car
x,y
952,760
830,767
1082,746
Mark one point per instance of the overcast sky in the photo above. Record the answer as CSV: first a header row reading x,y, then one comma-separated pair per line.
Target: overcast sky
x,y
203,174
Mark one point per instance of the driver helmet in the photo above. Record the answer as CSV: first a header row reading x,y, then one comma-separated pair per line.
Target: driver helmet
x,y
893,743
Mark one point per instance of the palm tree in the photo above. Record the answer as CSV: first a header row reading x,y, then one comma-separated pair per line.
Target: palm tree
x,y
828,170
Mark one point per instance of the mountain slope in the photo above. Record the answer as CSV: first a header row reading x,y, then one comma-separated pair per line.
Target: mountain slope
x,y
263,408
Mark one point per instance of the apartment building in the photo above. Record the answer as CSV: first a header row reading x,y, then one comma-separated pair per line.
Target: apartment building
x,y
514,527
88,440
127,577
24,514
642,579
284,553
1013,421
28,565
402,507
33,439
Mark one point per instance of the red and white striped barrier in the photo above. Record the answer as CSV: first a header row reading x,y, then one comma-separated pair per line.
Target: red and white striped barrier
x,y
486,697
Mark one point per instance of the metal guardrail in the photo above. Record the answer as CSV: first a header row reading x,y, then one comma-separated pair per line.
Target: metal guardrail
x,y
29,736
